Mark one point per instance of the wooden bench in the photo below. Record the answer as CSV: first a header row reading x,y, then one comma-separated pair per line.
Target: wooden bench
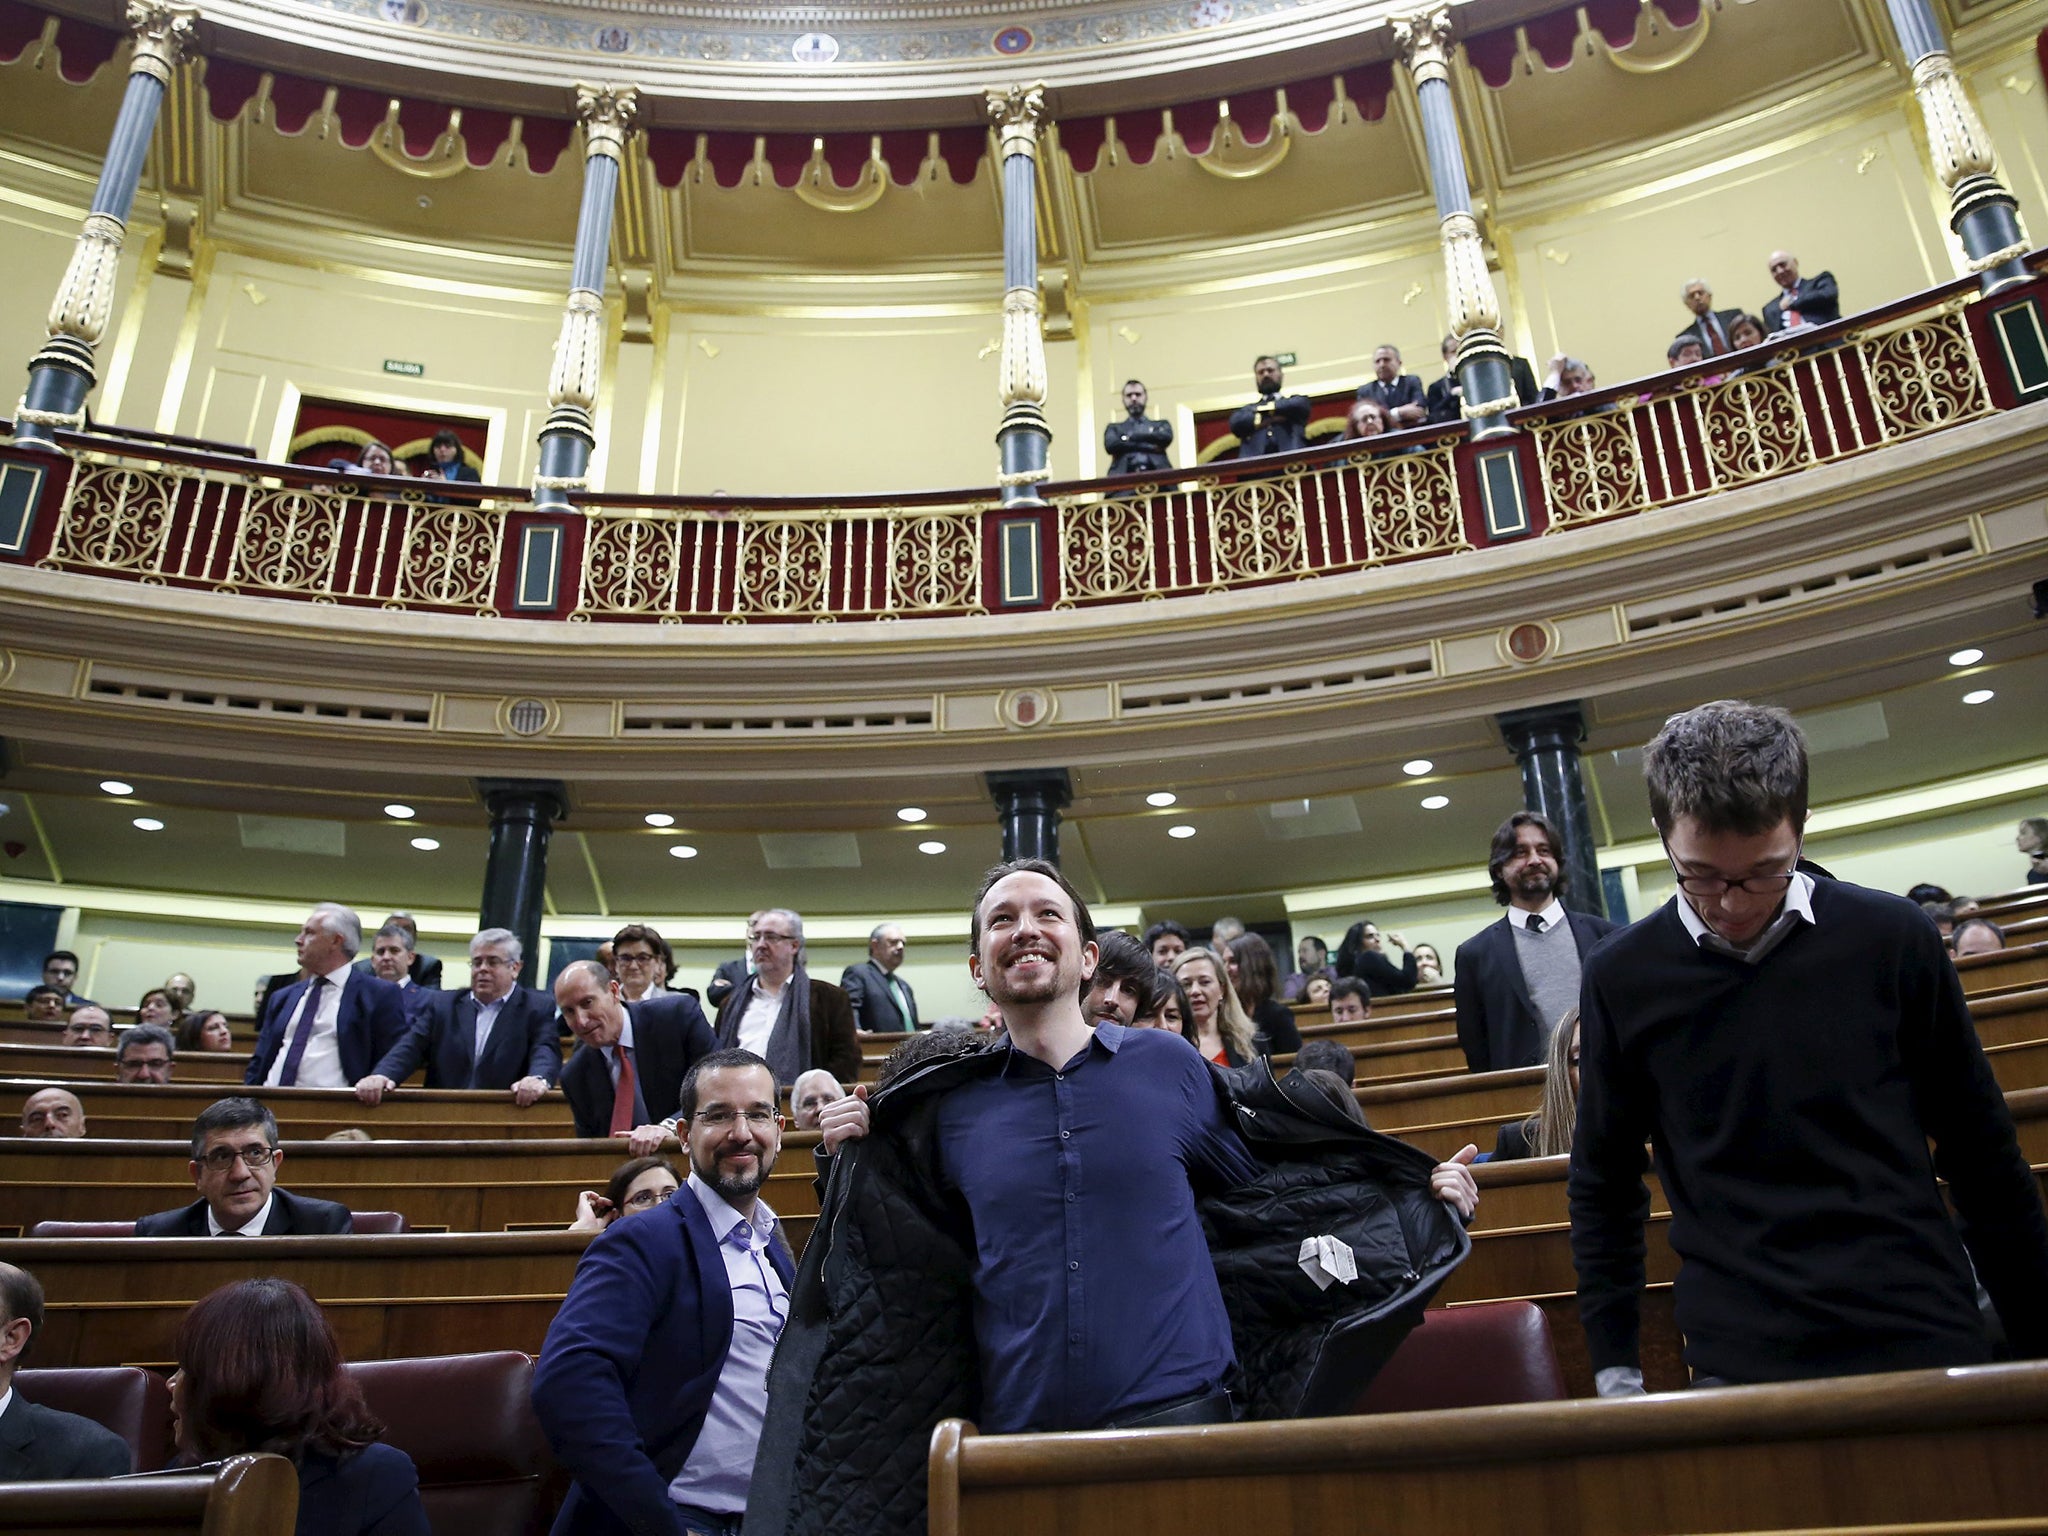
x,y
1950,1451
2015,965
158,1112
243,1496
95,1063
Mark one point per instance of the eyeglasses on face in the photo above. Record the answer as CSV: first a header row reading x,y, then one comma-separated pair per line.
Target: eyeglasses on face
x,y
1714,885
220,1159
719,1119
758,936
489,963
634,957
647,1199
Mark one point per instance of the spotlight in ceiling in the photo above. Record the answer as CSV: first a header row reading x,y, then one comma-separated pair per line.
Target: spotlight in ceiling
x,y
149,824
116,787
1435,802
1162,798
1182,830
426,844
400,812
931,847
911,813
1979,696
681,851
659,819
1968,656
1416,767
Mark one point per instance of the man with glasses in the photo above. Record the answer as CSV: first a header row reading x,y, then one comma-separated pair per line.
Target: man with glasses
x,y
653,1383
782,1014
90,1025
497,1034
1789,1046
235,1158
642,961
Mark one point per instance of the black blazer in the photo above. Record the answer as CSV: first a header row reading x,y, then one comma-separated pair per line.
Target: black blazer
x,y
1380,975
1497,1023
425,971
874,1006
290,1216
443,1035
1816,298
1271,424
1446,402
669,1034
371,1022
373,1492
723,980
1698,330
40,1445
1275,1020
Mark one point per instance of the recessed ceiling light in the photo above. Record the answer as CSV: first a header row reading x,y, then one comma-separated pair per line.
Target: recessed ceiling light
x,y
1435,802
1161,798
1180,831
425,844
681,851
1416,767
149,824
1979,696
116,787
400,812
931,847
911,813
1968,656
659,819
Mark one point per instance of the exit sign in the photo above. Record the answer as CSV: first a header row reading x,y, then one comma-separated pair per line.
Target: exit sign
x,y
1284,359
407,370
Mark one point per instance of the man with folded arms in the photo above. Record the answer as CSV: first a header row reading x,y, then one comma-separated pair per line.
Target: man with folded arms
x,y
1789,1045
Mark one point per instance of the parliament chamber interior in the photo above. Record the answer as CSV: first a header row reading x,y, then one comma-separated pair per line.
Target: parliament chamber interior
x,y
870,445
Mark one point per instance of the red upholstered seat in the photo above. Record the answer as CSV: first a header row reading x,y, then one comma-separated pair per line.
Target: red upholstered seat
x,y
135,1404
82,1229
378,1223
467,1422
1469,1357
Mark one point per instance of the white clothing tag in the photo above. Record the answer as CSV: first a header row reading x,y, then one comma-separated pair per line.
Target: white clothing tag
x,y
1326,1260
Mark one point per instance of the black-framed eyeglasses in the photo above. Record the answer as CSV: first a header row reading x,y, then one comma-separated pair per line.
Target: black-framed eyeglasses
x,y
631,959
1717,885
220,1159
720,1119
648,1199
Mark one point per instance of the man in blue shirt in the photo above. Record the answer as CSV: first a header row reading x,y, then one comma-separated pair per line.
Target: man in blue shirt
x,y
1096,1302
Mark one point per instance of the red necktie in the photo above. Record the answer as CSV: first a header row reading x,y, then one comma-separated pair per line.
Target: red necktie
x,y
622,1095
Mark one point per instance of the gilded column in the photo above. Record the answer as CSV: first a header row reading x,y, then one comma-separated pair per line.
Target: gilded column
x,y
1983,214
61,374
1424,38
570,432
1024,437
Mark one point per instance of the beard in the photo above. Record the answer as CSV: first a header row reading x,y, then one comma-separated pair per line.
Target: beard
x,y
1536,882
1269,386
1059,978
731,1185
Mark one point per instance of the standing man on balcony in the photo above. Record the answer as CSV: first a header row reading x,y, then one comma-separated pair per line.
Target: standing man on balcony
x,y
1274,423
1802,300
1137,445
1398,394
1712,328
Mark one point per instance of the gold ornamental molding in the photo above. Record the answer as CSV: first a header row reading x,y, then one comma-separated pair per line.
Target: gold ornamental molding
x,y
163,35
607,113
1019,115
85,299
1424,40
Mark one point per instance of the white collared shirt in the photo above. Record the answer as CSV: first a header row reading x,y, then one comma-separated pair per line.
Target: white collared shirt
x,y
757,1023
320,1067
1552,915
1798,906
6,1398
253,1227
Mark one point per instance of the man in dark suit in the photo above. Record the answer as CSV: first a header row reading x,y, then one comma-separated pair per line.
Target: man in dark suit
x,y
38,1444
882,1000
1137,445
497,1034
235,1158
1712,328
1398,394
333,1028
1800,300
392,960
1516,978
626,1078
1274,423
653,1383
783,1014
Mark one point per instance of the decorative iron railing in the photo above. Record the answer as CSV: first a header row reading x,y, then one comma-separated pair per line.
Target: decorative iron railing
x,y
171,513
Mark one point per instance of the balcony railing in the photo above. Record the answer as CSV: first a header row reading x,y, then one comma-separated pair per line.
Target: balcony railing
x,y
174,516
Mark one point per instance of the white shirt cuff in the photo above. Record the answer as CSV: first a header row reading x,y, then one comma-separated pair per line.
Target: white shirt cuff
x,y
1619,1381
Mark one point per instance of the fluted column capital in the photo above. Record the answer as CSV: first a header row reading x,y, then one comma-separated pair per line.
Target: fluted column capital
x,y
163,33
1019,114
607,113
1424,38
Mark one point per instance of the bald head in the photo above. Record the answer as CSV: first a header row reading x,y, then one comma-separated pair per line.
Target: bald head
x,y
21,1315
53,1112
1785,269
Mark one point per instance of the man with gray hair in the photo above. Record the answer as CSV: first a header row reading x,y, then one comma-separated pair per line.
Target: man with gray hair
x,y
497,1034
1710,327
784,1015
1789,1045
882,1000
331,1029
144,1055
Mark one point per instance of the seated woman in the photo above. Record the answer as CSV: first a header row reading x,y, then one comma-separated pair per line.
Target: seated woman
x,y
1548,1132
445,461
258,1370
155,1008
1216,1021
636,1187
1317,993
205,1029
1170,1011
1257,980
1429,966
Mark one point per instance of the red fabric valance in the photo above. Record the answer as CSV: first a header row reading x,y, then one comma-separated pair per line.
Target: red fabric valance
x,y
1554,38
906,155
1309,102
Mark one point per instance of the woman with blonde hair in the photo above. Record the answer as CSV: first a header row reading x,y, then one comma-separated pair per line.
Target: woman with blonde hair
x,y
1548,1132
1216,1022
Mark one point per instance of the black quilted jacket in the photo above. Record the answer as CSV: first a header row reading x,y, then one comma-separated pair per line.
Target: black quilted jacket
x,y
879,1346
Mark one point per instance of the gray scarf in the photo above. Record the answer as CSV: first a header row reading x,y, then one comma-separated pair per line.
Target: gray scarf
x,y
789,1042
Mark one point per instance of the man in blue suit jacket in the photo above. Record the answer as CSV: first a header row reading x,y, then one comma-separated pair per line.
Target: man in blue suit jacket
x,y
497,1034
336,1025
638,1353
